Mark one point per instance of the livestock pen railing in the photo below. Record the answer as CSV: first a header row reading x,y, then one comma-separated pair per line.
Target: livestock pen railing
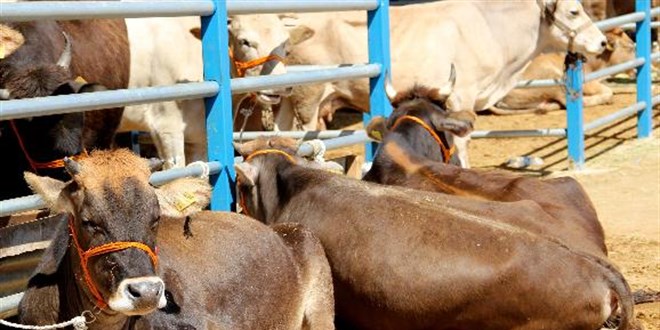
x,y
216,89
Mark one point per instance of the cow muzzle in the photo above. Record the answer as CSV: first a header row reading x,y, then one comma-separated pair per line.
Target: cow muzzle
x,y
138,296
271,97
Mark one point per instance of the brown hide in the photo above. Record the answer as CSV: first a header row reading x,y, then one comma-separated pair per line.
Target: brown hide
x,y
101,55
236,273
403,159
408,259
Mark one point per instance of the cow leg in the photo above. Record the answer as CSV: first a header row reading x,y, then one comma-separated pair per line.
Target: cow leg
x,y
596,93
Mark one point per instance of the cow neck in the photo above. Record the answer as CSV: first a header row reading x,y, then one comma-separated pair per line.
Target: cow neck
x,y
526,29
267,188
284,180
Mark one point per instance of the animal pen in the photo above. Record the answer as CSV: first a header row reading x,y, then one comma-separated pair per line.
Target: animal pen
x,y
218,87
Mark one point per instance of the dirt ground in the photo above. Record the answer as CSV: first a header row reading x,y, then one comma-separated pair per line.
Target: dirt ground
x,y
622,177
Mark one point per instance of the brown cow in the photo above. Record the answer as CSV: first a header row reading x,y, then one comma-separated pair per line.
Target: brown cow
x,y
233,273
410,156
44,58
409,259
620,48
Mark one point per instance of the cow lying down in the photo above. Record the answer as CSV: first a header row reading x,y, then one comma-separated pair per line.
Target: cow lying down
x,y
416,152
119,257
409,259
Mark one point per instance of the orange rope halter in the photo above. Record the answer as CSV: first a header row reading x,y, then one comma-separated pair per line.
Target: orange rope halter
x,y
104,249
446,152
288,157
242,66
58,163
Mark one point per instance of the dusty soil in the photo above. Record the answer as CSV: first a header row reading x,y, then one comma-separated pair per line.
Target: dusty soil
x,y
622,177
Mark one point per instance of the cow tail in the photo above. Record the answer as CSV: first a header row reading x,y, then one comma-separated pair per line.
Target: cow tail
x,y
620,286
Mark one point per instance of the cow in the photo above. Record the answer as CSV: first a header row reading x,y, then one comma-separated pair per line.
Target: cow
x,y
416,152
489,49
52,58
410,259
258,43
620,48
121,253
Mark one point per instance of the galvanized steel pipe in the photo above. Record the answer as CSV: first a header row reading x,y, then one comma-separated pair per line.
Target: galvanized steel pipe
x,y
69,10
33,202
614,69
305,135
9,305
542,132
625,112
250,84
613,22
539,83
237,7
50,105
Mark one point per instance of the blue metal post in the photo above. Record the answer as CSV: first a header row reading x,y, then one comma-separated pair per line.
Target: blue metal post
x,y
574,115
215,41
379,52
644,91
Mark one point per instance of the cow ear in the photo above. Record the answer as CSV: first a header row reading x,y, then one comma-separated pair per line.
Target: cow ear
x,y
376,128
459,123
54,254
246,173
48,188
197,32
300,34
40,303
183,197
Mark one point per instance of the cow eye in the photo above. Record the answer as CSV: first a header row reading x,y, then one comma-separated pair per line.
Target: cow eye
x,y
574,12
154,223
93,227
244,42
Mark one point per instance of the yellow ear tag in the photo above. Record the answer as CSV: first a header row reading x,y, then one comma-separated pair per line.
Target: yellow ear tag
x,y
2,51
80,80
184,201
376,135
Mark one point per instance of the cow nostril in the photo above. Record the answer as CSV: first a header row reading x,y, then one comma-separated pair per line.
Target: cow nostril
x,y
133,291
603,43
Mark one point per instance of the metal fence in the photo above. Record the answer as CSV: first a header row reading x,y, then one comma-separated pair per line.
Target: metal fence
x,y
217,87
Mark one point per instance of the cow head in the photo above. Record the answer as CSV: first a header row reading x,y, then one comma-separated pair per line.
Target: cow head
x,y
256,176
113,221
39,80
569,27
424,107
259,44
620,48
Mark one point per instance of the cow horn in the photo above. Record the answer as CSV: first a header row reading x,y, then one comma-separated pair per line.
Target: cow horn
x,y
449,86
65,58
71,166
4,94
389,89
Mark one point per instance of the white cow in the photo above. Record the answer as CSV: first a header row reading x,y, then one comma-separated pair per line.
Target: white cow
x,y
489,42
164,52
